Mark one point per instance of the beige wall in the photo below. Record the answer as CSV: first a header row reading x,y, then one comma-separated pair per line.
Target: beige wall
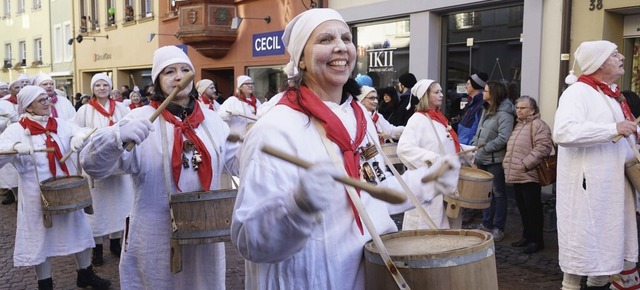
x,y
550,60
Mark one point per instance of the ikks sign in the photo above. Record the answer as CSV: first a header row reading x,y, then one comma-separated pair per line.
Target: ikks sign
x,y
381,60
99,57
269,43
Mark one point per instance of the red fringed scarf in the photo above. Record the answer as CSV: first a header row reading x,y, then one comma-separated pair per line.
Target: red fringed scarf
x,y
54,100
606,89
336,131
52,128
210,102
12,99
112,108
186,127
133,106
251,100
375,119
437,116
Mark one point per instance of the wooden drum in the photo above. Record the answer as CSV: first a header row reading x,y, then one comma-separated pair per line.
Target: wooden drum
x,y
474,191
200,218
391,150
434,259
64,195
632,171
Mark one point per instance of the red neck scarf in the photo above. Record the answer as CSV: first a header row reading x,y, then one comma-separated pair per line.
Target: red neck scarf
x,y
375,119
437,116
251,100
13,100
210,102
186,127
54,100
336,131
52,128
112,108
133,106
606,89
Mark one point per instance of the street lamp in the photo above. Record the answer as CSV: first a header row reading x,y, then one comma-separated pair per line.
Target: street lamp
x,y
80,38
235,22
152,35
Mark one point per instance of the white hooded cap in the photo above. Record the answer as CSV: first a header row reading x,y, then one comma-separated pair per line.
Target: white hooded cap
x,y
299,29
364,91
241,79
590,56
27,95
41,77
101,76
202,85
421,87
166,56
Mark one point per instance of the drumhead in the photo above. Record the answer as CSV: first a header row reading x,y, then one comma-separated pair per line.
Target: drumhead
x,y
63,182
475,174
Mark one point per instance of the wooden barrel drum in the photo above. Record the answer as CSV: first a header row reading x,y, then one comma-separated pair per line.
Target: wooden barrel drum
x,y
434,259
632,171
391,150
200,218
474,191
64,195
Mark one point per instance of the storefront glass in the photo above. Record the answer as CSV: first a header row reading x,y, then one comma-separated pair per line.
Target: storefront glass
x,y
268,81
383,51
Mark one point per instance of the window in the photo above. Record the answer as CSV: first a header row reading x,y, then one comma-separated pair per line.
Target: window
x,y
172,8
37,4
129,12
7,8
20,7
7,55
37,51
94,15
111,13
467,20
22,53
58,43
67,34
146,6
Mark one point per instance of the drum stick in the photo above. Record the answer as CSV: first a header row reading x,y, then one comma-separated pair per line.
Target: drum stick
x,y
10,152
243,116
435,175
66,156
617,138
381,193
186,79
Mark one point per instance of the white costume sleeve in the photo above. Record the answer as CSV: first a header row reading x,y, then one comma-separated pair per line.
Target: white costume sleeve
x,y
388,128
105,156
416,143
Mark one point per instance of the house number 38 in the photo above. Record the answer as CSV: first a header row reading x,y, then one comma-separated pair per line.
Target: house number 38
x,y
595,4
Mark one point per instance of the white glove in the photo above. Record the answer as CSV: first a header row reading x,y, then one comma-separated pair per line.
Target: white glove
x,y
23,149
135,130
4,124
448,182
317,187
77,143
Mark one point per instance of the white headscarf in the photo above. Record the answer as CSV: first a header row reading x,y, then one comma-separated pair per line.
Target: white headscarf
x,y
41,77
421,87
241,79
166,56
364,91
590,56
27,95
299,29
202,85
101,76
20,78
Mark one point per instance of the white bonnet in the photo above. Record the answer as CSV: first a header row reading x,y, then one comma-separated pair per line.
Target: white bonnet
x,y
27,95
202,85
41,77
421,87
590,56
364,91
166,56
101,76
3,84
241,79
21,78
299,29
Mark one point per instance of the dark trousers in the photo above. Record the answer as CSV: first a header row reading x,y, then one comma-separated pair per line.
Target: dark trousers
x,y
530,206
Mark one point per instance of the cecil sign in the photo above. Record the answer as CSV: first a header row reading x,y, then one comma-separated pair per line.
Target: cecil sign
x,y
269,43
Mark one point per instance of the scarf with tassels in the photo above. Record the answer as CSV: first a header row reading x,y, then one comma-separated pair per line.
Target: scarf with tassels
x,y
251,100
112,108
311,105
52,128
614,94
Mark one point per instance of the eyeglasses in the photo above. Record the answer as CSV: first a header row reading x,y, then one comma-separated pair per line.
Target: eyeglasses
x,y
372,98
44,101
249,84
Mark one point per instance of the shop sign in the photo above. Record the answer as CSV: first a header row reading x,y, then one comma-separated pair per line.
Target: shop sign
x,y
381,60
269,43
103,56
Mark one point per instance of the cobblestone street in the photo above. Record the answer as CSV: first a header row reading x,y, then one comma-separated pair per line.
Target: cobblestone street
x,y
515,270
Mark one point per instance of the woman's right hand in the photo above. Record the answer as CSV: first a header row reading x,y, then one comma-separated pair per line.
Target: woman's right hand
x,y
317,187
135,130
23,149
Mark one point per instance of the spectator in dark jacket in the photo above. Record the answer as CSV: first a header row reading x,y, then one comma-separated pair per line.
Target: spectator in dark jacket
x,y
633,100
407,105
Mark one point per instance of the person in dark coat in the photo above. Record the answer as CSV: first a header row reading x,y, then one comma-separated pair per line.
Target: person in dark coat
x,y
407,105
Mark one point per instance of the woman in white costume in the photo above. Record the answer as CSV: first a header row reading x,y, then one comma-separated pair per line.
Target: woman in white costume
x,y
112,195
243,103
369,98
70,233
183,130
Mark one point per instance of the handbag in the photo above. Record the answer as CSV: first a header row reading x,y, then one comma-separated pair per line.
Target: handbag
x,y
547,168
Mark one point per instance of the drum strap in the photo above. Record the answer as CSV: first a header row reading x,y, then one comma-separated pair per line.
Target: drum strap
x,y
436,132
357,202
35,169
407,190
166,167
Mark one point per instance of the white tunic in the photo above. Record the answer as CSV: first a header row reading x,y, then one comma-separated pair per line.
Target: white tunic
x,y
70,232
112,195
8,174
144,262
237,124
216,105
385,127
596,217
285,247
65,109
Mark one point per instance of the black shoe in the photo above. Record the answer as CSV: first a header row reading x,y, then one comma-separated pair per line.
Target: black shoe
x,y
87,277
96,256
9,198
533,248
521,243
45,284
114,247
